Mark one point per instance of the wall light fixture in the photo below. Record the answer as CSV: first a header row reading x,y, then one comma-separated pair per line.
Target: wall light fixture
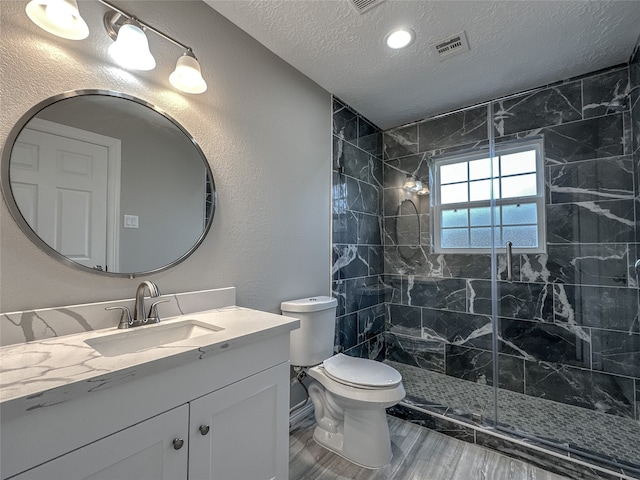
x,y
59,17
131,46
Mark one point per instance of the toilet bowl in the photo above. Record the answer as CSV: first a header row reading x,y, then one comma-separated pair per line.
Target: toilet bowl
x,y
350,396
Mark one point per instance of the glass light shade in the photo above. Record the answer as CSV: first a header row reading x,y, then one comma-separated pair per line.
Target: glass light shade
x,y
187,76
399,38
59,17
409,184
131,49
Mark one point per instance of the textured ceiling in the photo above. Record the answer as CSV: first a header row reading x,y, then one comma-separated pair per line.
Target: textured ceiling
x,y
514,45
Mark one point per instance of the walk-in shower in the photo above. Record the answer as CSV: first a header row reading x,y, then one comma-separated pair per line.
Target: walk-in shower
x,y
534,353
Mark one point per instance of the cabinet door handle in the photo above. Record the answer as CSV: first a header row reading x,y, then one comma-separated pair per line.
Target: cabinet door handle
x,y
204,429
178,443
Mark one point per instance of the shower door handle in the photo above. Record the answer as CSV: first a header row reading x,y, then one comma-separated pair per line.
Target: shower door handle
x,y
509,245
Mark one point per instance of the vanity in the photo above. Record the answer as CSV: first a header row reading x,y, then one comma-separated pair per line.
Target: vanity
x,y
207,397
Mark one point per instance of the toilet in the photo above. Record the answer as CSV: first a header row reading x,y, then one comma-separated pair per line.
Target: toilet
x,y
349,394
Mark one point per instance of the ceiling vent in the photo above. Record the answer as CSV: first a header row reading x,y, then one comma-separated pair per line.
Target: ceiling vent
x,y
451,46
362,6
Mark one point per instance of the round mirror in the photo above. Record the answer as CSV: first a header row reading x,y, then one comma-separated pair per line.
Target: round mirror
x,y
407,229
107,183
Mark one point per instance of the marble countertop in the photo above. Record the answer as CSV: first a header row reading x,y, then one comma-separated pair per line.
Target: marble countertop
x,y
48,371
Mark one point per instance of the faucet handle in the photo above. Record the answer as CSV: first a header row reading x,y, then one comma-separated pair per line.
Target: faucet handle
x,y
153,311
125,313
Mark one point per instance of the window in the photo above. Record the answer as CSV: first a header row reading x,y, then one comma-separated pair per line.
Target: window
x,y
462,199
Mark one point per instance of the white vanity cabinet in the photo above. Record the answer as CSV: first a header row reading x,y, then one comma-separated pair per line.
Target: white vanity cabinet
x,y
143,452
241,432
238,432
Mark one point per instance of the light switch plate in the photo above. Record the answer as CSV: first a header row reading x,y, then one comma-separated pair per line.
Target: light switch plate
x,y
130,221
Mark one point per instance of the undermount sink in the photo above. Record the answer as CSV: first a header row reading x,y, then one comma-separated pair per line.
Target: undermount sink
x,y
142,338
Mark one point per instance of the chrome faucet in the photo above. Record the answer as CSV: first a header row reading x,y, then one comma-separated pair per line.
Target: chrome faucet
x,y
140,316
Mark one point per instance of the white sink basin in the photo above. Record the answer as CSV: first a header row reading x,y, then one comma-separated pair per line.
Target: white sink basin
x,y
142,338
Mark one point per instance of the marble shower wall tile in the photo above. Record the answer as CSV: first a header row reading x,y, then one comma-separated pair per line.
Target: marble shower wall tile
x,y
400,142
604,94
415,351
598,137
616,352
579,264
601,179
551,106
537,341
358,258
610,221
608,308
462,128
583,388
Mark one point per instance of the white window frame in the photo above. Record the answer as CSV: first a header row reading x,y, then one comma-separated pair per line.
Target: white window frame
x,y
501,149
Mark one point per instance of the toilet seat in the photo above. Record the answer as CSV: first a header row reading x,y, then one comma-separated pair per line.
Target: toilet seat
x,y
361,372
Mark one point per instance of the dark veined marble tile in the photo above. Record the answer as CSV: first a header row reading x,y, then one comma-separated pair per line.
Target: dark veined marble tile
x,y
457,328
527,301
393,288
442,293
637,400
376,172
415,351
580,264
364,292
616,352
353,160
346,333
608,308
360,351
404,320
369,137
345,121
339,292
552,106
548,342
345,227
592,180
376,259
598,137
583,388
459,128
355,194
476,366
604,94
635,116
370,322
401,141
591,222
396,170
377,347
369,231
350,261
405,260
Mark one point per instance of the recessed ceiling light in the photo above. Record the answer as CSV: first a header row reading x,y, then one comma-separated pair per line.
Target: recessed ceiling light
x,y
399,38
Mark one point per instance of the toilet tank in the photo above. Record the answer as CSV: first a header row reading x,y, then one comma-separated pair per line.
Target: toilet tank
x,y
312,343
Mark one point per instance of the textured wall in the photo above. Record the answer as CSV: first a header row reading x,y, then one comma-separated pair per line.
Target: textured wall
x,y
263,126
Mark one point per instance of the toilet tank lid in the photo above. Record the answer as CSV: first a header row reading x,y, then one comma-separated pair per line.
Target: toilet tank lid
x,y
311,304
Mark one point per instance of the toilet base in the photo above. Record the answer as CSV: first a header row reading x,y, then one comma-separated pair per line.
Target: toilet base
x,y
363,438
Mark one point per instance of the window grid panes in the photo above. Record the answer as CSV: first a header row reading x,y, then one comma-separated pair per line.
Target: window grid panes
x,y
463,194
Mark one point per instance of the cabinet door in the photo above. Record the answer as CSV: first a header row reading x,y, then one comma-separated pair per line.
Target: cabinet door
x,y
144,451
245,430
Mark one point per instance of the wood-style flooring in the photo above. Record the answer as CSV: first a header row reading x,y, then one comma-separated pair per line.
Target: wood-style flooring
x,y
418,454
